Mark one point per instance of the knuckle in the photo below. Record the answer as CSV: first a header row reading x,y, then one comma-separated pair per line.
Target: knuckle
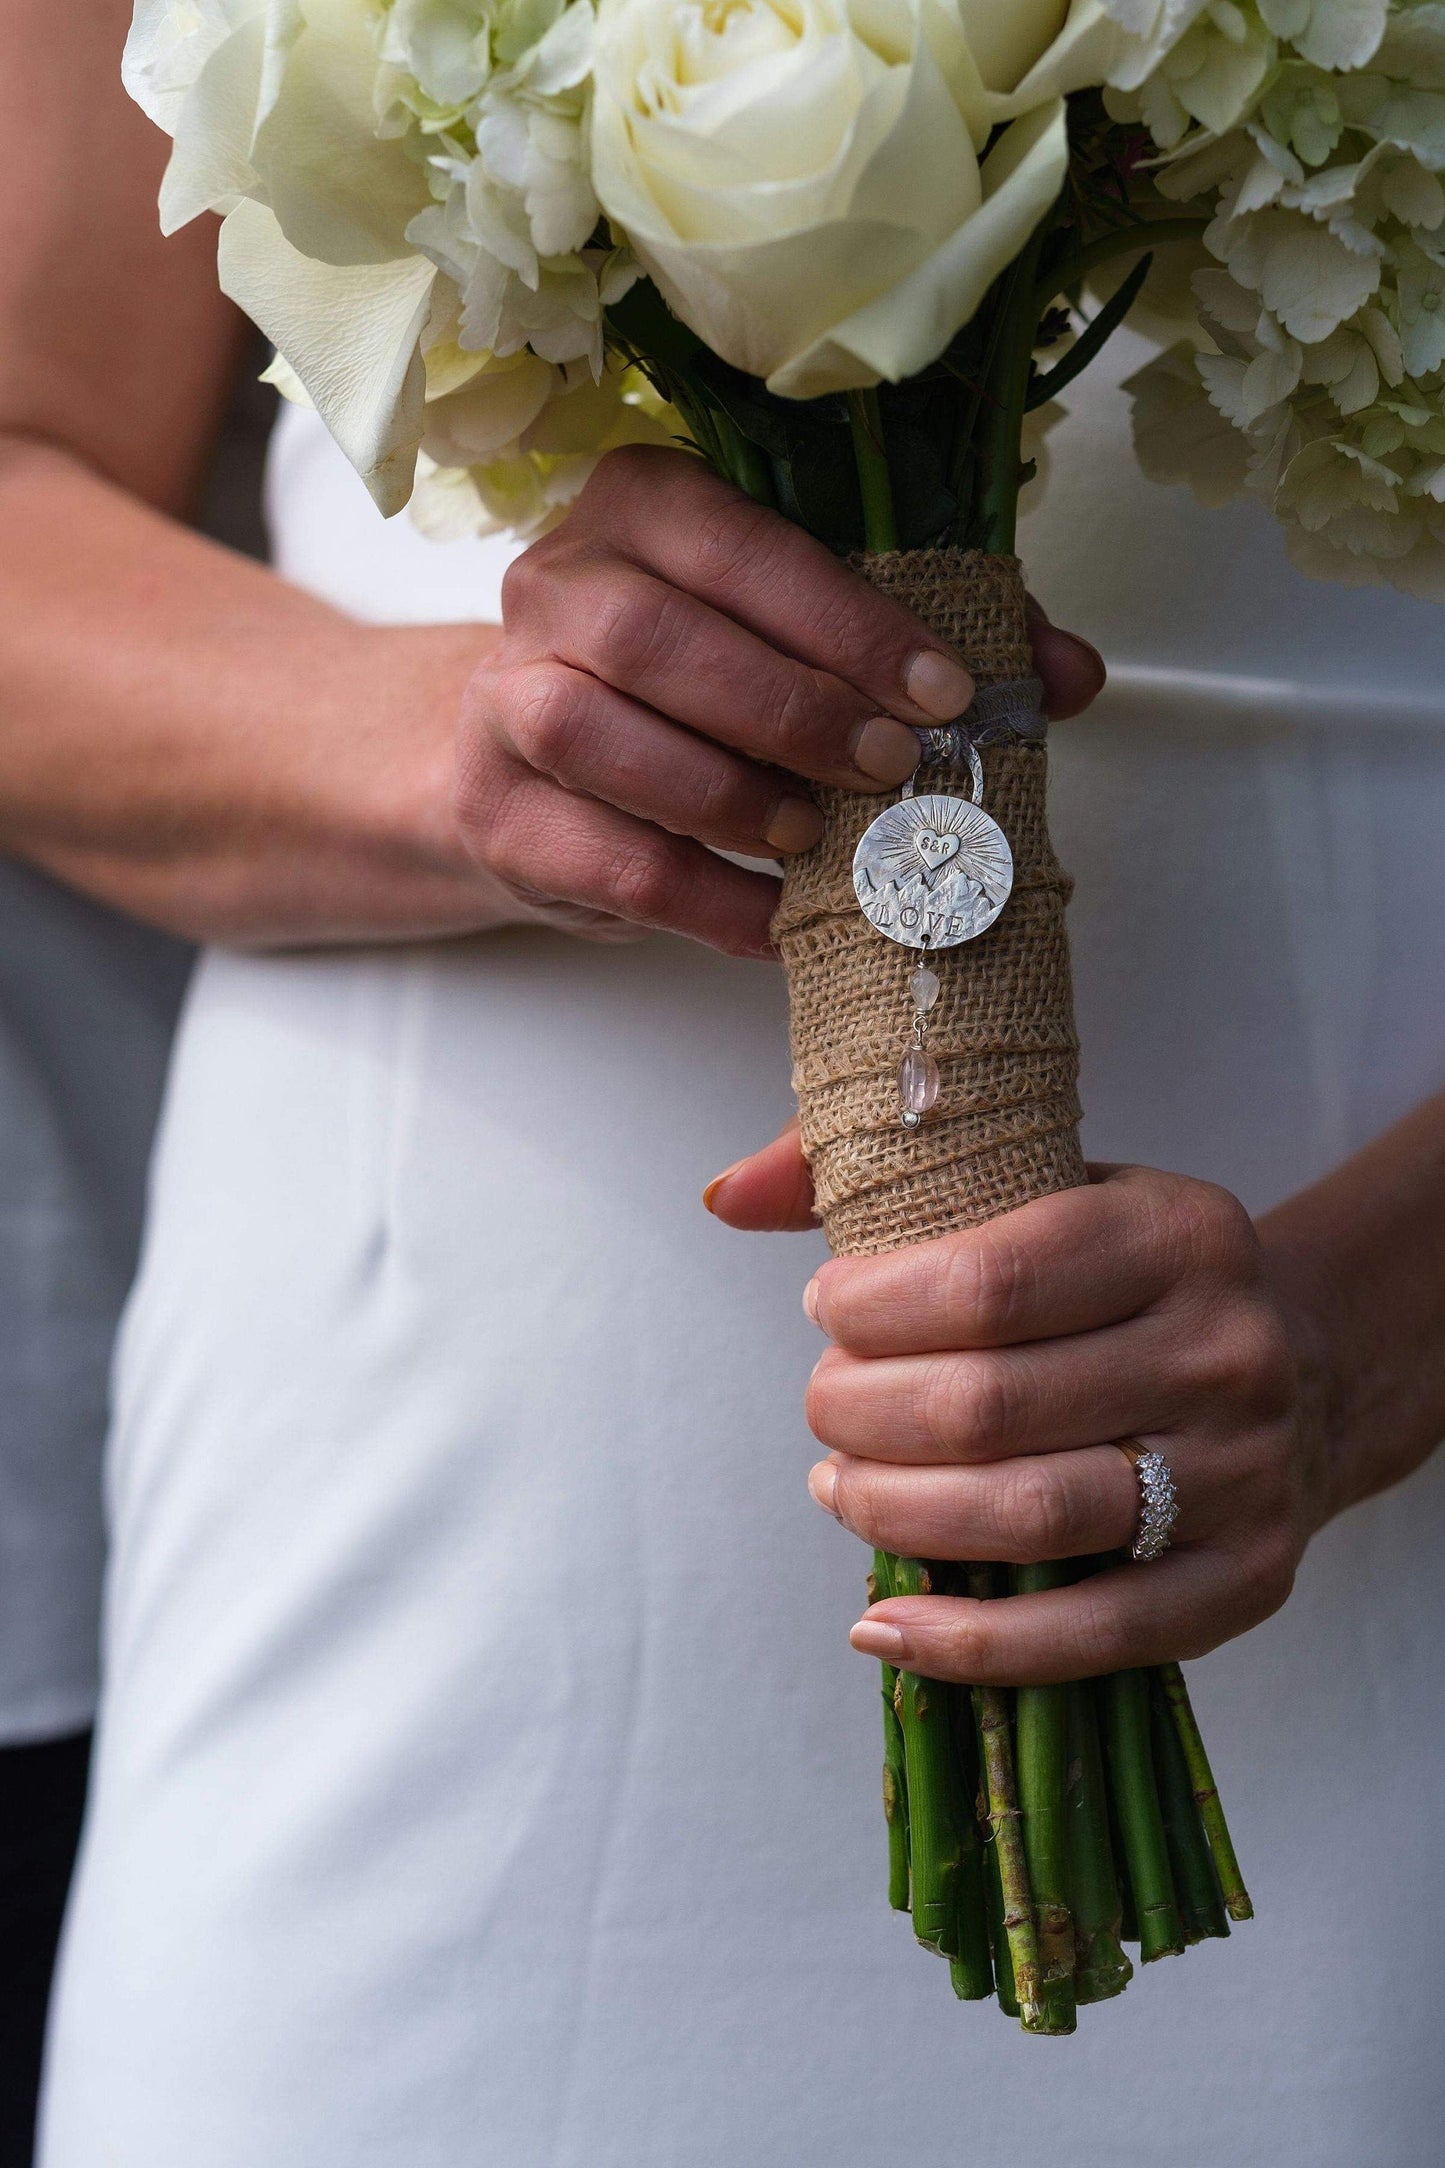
x,y
548,716
981,1405
1218,1231
870,636
1243,1353
630,470
849,619
976,1645
732,537
621,469
1035,1511
1094,1633
805,714
724,805
522,583
946,1404
642,882
634,627
983,1281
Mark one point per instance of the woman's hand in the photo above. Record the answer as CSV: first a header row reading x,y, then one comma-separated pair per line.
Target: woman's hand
x,y
975,1385
673,657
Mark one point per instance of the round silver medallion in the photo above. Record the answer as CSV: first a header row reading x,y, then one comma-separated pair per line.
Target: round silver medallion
x,y
931,872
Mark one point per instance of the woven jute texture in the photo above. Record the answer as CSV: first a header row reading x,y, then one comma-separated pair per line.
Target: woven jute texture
x,y
1005,1129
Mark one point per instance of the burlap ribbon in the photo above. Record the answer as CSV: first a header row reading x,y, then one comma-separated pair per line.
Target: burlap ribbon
x,y
1005,1129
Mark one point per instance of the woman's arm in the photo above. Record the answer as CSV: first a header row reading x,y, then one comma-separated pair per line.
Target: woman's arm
x,y
188,739
974,1384
1358,1262
180,734
191,741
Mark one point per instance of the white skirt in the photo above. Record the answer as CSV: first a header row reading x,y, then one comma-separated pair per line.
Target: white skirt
x,y
484,1777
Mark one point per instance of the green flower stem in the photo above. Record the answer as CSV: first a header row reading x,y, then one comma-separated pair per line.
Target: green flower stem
x,y
1102,1969
993,1714
749,466
933,1821
1003,1968
972,1969
1005,402
723,444
895,1774
1141,1825
1201,1908
870,456
1042,1717
1128,1914
1127,241
1206,1798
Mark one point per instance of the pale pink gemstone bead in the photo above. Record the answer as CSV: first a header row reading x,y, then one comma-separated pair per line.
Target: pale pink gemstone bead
x,y
924,986
917,1081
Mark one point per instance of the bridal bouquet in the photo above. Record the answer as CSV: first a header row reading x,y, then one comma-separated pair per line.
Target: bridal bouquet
x,y
846,249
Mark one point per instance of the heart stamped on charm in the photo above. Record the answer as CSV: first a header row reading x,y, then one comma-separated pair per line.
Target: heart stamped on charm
x,y
934,849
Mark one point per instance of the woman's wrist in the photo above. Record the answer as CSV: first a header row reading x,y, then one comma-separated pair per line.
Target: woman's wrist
x,y
1302,1287
1359,1269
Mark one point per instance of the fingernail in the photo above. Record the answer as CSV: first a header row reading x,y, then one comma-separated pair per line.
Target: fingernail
x,y
793,825
810,1292
938,684
823,1483
887,751
710,1193
872,1638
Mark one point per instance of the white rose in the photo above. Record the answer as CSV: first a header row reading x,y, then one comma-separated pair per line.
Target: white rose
x,y
274,100
804,178
350,332
169,43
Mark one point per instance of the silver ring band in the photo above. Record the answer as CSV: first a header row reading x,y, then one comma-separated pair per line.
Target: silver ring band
x,y
1158,1503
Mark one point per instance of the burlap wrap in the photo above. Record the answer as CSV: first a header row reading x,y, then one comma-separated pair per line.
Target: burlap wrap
x,y
1005,1129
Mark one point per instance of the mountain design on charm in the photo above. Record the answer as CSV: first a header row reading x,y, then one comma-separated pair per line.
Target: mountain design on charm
x,y
932,872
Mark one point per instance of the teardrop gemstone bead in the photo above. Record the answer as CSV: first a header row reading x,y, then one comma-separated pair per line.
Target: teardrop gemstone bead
x,y
924,986
917,1081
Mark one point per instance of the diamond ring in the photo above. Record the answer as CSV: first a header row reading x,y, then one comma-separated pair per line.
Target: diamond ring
x,y
1158,1503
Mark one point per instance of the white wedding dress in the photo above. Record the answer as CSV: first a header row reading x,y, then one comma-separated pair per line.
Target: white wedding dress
x,y
484,1777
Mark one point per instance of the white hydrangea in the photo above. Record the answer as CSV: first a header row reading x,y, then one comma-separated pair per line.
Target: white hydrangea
x,y
1336,437
1323,337
473,479
493,95
1185,62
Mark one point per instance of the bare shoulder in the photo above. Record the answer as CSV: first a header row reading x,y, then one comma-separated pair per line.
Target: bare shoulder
x,y
114,343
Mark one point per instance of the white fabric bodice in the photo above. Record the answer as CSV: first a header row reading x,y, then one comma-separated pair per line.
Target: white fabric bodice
x,y
484,1777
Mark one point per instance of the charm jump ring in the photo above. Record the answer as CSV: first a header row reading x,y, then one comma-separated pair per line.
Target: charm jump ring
x,y
1158,1502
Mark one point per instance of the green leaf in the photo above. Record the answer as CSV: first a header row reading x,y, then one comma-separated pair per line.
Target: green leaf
x,y
1050,382
818,488
774,425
